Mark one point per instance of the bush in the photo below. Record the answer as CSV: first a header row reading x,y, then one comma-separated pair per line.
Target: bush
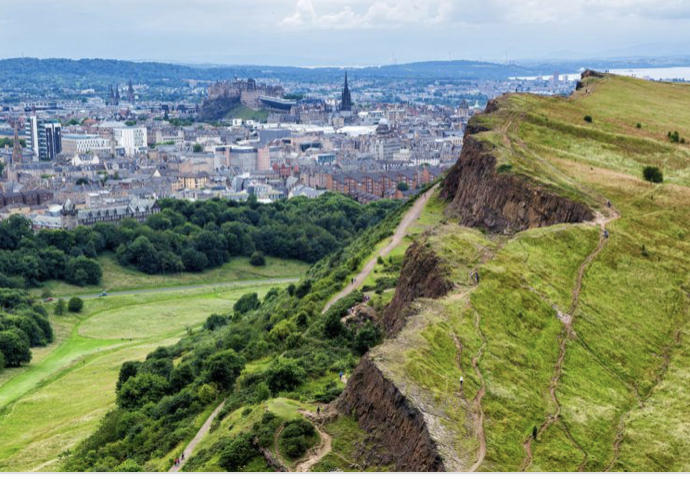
x,y
257,259
588,119
653,174
223,368
141,389
215,321
237,453
674,136
284,375
14,347
60,307
246,303
296,438
83,271
368,336
75,304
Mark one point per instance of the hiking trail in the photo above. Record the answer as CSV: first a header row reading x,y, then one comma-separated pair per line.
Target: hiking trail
x,y
567,319
203,431
408,219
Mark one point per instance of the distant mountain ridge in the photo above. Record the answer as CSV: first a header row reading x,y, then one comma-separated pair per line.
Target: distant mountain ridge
x,y
100,70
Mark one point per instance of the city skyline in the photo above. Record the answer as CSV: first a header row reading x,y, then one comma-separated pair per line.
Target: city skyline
x,y
339,33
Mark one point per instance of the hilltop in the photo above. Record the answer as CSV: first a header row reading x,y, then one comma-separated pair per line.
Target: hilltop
x,y
556,286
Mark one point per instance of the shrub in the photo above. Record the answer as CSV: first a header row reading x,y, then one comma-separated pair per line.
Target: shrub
x,y
639,125
504,168
82,271
141,389
588,119
60,307
296,438
14,347
368,336
284,375
224,367
215,321
674,136
653,174
237,453
257,259
246,303
75,304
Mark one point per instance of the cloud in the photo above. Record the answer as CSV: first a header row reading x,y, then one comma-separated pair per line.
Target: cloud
x,y
367,15
386,14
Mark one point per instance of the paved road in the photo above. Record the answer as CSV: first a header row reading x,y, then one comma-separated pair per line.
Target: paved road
x,y
399,234
246,283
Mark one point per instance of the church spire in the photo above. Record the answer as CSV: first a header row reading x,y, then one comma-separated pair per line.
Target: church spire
x,y
346,99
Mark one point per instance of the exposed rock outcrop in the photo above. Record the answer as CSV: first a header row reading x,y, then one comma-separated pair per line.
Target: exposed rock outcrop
x,y
503,203
390,419
422,275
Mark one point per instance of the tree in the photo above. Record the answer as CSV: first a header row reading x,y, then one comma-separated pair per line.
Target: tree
x,y
296,438
588,119
246,303
197,148
60,307
215,321
14,347
284,375
236,454
194,260
653,174
369,335
223,368
402,186
141,389
75,304
82,271
257,259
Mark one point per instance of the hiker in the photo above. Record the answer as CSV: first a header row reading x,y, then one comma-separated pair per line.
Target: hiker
x,y
606,234
608,204
318,410
341,375
534,432
461,381
182,457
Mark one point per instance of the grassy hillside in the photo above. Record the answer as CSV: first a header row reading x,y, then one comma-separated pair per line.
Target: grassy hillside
x,y
73,379
598,370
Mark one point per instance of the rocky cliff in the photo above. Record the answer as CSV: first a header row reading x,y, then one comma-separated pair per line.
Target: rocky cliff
x,y
502,202
390,419
422,275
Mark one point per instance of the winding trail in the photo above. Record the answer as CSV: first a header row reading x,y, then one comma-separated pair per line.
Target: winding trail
x,y
318,453
410,216
477,401
568,332
203,431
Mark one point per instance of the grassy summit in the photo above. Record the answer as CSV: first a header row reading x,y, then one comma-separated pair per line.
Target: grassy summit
x,y
618,399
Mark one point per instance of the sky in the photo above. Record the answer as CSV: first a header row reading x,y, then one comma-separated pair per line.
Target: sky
x,y
342,33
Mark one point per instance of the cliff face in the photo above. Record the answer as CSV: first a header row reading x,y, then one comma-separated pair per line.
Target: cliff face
x,y
502,202
422,275
390,419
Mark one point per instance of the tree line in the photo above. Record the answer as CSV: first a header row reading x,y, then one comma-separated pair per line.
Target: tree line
x,y
23,325
185,236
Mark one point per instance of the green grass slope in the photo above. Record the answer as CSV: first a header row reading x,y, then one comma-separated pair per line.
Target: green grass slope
x,y
619,398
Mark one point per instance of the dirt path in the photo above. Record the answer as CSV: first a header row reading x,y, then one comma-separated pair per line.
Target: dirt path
x,y
203,431
477,401
315,454
567,319
410,216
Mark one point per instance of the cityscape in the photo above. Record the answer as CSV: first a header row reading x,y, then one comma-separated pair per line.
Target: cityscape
x,y
344,236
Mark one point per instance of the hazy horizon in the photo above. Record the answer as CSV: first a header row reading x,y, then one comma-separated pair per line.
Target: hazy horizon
x,y
338,33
